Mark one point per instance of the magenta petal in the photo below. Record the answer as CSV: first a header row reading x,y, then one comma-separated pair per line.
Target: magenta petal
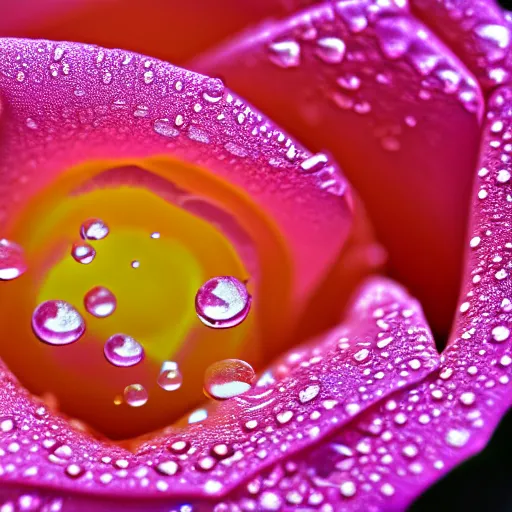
x,y
395,107
477,31
66,103
383,345
390,454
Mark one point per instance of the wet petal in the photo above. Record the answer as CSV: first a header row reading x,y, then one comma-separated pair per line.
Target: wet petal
x,y
478,32
394,106
383,345
79,119
389,455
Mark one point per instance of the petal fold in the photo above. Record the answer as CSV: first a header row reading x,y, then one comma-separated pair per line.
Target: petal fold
x,y
383,346
394,106
390,454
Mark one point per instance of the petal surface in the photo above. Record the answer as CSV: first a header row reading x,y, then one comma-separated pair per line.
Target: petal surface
x,y
71,113
395,108
390,454
383,345
477,31
169,29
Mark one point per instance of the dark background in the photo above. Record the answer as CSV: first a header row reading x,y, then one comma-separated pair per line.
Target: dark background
x,y
481,484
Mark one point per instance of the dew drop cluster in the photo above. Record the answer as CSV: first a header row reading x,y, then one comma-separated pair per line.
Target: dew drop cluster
x,y
221,302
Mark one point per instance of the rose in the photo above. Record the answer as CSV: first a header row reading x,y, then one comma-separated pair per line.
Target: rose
x,y
457,405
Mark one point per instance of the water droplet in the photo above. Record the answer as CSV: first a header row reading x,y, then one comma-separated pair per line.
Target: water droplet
x,y
457,438
309,393
74,471
100,302
314,163
57,323
135,264
167,468
123,350
170,377
222,302
83,252
285,54
500,333
94,229
164,127
228,378
503,176
135,395
348,489
197,416
330,49
12,260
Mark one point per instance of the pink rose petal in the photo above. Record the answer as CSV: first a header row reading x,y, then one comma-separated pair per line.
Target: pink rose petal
x,y
395,107
87,104
383,345
477,31
390,454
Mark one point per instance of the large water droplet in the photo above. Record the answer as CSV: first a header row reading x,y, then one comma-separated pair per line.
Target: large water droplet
x,y
57,322
123,350
222,302
94,229
12,260
135,395
170,377
100,302
228,378
83,252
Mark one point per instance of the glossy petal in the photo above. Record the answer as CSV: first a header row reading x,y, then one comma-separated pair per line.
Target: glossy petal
x,y
394,106
385,458
383,345
477,31
89,104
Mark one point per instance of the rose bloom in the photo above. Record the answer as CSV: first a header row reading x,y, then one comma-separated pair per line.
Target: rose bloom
x,y
345,165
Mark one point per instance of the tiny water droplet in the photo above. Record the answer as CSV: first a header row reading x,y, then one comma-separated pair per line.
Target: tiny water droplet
x,y
135,395
12,260
57,322
83,252
228,378
170,377
330,49
314,163
163,127
94,229
223,302
123,350
285,54
100,302
135,264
